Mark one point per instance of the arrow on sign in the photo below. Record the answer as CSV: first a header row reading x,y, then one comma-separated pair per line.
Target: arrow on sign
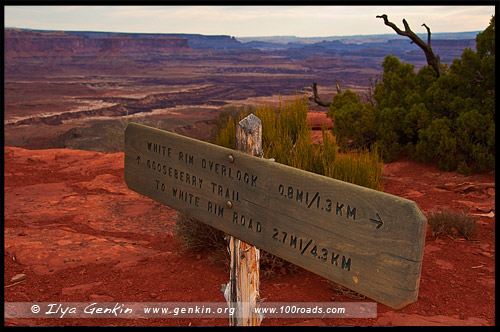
x,y
377,221
295,229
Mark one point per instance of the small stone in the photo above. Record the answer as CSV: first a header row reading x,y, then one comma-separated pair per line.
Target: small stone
x,y
198,256
153,295
18,277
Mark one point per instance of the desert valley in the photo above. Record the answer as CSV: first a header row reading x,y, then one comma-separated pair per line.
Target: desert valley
x,y
76,88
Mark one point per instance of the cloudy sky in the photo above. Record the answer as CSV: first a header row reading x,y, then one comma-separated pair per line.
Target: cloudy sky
x,y
244,21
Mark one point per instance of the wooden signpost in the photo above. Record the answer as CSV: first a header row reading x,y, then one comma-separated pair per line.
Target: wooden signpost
x,y
369,241
242,292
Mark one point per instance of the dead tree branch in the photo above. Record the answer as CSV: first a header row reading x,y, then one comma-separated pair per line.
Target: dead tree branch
x,y
432,59
315,98
338,88
428,34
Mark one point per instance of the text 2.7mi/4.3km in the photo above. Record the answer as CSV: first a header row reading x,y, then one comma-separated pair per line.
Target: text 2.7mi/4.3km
x,y
366,240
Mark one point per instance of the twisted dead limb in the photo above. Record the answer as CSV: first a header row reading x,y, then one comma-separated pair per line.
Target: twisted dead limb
x,y
432,59
316,97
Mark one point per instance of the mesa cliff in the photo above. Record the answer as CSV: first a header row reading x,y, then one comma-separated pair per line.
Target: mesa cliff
x,y
26,43
62,86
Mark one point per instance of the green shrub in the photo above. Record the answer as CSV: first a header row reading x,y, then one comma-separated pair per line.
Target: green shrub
x,y
327,154
364,168
227,135
286,137
448,120
354,121
438,142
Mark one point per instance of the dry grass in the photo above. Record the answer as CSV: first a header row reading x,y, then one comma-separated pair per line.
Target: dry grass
x,y
445,222
197,236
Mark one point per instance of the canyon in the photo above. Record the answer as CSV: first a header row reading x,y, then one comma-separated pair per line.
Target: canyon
x,y
78,89
74,232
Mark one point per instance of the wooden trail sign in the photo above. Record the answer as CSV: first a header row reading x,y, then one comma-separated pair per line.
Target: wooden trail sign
x,y
369,241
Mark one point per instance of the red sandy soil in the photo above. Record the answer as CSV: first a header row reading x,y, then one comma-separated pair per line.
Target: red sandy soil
x,y
78,234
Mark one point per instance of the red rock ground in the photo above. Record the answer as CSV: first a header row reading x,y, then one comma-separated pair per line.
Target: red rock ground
x,y
79,234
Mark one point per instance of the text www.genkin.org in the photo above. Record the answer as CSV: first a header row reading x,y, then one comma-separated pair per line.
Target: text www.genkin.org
x,y
189,310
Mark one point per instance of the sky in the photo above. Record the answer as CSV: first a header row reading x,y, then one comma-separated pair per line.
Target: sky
x,y
249,21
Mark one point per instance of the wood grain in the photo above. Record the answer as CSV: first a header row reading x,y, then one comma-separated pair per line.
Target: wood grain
x,y
245,258
369,241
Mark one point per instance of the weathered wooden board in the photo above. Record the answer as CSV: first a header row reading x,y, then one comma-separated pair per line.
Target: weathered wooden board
x,y
369,241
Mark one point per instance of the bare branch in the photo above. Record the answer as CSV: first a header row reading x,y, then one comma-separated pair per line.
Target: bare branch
x,y
432,59
392,25
407,27
338,88
316,98
428,34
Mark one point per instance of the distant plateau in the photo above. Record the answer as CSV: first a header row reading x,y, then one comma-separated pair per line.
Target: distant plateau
x,y
70,89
